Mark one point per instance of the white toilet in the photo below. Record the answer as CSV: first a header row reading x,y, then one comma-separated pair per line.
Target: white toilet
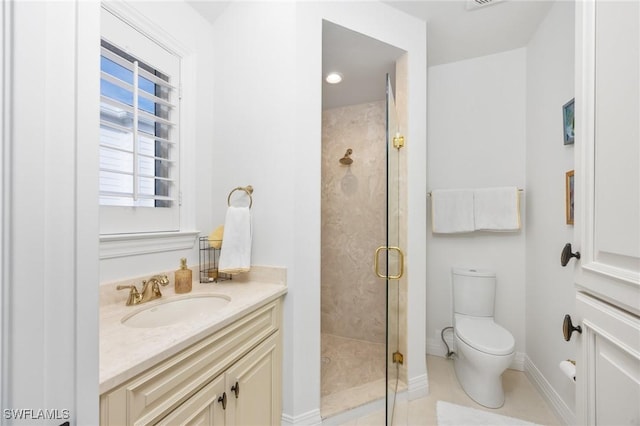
x,y
484,349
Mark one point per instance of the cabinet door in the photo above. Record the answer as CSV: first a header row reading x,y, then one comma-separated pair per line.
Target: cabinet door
x,y
607,176
608,371
204,408
256,377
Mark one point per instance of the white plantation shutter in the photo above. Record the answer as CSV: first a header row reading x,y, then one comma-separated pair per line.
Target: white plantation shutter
x,y
139,112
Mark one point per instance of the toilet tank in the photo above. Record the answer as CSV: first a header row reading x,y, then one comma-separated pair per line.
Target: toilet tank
x,y
473,292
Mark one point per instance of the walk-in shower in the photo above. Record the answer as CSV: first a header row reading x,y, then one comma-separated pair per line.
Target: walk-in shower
x,y
362,314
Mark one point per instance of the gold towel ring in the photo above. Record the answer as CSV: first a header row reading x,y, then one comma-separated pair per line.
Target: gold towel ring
x,y
248,189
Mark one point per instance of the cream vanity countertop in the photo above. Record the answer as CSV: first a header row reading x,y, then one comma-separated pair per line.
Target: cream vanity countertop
x,y
127,351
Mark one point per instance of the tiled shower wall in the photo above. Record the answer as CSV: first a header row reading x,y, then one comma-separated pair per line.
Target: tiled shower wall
x,y
353,221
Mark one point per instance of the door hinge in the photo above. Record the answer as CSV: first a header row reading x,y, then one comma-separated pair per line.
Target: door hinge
x,y
398,141
398,358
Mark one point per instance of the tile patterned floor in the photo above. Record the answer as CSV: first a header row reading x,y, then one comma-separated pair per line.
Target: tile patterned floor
x,y
521,399
352,373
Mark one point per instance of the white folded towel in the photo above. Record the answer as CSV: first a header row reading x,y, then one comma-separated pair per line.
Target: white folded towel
x,y
452,210
497,209
235,253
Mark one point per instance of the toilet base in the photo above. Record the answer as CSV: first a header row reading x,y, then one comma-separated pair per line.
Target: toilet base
x,y
480,374
484,390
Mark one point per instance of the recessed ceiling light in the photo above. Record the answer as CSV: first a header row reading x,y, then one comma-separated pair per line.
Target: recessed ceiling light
x,y
334,78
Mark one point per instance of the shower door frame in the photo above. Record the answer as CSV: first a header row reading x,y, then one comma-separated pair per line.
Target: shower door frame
x,y
394,255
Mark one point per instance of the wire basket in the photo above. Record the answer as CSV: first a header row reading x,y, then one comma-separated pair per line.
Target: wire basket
x,y
209,263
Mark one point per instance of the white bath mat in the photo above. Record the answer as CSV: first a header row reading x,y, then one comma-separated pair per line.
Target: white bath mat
x,y
457,415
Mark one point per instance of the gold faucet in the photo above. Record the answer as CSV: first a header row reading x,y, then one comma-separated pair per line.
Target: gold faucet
x,y
150,290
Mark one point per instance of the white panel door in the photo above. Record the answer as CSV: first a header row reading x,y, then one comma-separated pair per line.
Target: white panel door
x,y
608,151
607,179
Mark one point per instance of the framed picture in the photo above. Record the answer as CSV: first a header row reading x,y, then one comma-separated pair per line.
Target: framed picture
x,y
568,122
569,184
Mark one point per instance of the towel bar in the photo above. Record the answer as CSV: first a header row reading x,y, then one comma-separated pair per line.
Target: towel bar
x,y
519,190
248,189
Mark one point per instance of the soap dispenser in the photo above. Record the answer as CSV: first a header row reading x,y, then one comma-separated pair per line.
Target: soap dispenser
x,y
183,277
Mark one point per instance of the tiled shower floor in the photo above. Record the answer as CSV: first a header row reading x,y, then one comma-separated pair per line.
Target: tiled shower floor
x,y
353,373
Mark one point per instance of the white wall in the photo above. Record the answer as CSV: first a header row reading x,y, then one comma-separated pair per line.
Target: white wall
x,y
550,291
256,142
267,132
477,139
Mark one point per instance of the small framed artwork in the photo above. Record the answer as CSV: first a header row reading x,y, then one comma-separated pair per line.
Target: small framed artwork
x,y
568,122
570,209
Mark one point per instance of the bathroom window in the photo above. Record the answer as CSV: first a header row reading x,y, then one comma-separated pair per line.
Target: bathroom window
x,y
139,112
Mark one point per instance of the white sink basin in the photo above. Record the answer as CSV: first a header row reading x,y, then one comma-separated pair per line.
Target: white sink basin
x,y
176,310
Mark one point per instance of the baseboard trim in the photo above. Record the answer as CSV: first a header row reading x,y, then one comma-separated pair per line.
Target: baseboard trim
x,y
310,418
548,393
354,413
518,361
418,387
435,346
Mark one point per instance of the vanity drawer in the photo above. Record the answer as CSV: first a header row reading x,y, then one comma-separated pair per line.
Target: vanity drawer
x,y
148,397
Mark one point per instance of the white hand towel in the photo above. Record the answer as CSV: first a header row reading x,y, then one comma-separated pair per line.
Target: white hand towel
x,y
235,253
497,209
452,210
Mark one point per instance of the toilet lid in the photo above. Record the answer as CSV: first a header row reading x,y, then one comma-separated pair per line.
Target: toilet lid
x,y
485,335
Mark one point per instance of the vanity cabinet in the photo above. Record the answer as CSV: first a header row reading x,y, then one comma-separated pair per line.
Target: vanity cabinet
x,y
201,409
198,385
607,179
256,401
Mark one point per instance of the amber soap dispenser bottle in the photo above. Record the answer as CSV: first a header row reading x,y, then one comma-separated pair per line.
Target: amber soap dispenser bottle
x,y
183,277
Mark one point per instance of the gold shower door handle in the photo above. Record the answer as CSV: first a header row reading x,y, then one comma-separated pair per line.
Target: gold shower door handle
x,y
376,262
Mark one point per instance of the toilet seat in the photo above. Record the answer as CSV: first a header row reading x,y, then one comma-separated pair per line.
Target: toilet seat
x,y
485,335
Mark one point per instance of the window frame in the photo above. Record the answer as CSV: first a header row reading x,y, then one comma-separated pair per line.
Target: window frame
x,y
138,143
114,245
135,43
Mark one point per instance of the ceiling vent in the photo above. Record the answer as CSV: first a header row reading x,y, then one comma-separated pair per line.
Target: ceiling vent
x,y
478,4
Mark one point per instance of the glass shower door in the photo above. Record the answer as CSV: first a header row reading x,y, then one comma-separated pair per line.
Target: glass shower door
x,y
394,258
389,261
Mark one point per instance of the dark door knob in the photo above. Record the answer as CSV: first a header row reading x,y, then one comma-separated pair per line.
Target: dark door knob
x,y
566,255
568,328
223,400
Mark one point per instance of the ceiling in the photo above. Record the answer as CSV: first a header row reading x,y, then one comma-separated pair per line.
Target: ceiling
x,y
363,62
453,34
209,9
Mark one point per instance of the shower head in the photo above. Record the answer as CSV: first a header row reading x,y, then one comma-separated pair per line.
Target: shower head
x,y
346,160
